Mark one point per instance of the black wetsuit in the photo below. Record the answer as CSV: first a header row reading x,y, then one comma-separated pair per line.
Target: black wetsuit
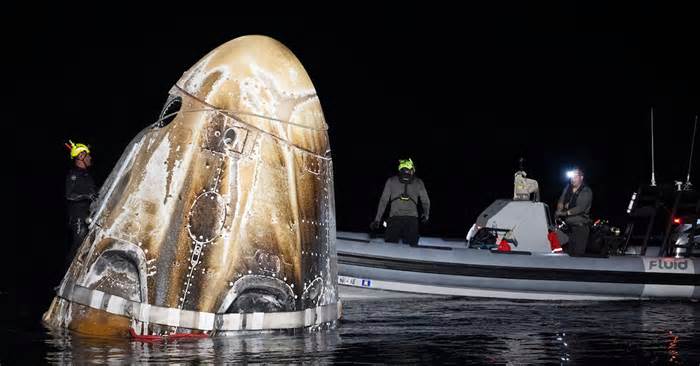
x,y
80,192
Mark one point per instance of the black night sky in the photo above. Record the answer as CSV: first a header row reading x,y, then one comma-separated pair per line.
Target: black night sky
x,y
465,96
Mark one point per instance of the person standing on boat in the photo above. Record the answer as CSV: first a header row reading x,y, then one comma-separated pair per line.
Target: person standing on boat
x,y
574,207
403,191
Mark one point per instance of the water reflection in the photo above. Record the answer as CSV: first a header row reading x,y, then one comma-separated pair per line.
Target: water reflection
x,y
669,323
436,330
304,347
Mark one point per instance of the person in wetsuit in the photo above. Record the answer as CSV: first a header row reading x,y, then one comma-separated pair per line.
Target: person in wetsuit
x,y
80,193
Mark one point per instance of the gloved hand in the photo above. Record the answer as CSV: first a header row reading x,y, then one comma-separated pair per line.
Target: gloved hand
x,y
424,219
375,225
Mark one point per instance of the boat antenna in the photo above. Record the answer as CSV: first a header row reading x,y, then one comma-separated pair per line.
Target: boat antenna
x,y
692,147
653,178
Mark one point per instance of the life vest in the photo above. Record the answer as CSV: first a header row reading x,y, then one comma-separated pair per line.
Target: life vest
x,y
570,196
404,196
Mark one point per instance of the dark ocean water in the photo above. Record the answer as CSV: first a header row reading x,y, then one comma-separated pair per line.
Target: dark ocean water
x,y
413,330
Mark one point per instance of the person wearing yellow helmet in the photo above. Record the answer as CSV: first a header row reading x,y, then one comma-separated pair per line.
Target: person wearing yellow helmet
x,y
81,192
77,150
403,192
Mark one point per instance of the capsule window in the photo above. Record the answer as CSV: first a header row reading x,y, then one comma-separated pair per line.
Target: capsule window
x,y
170,109
234,139
229,138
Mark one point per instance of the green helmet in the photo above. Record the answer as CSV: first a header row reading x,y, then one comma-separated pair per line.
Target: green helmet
x,y
406,164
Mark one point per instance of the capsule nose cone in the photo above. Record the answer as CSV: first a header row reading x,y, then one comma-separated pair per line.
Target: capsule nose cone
x,y
259,81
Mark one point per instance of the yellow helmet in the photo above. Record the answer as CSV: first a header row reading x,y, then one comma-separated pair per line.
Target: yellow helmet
x,y
407,164
76,149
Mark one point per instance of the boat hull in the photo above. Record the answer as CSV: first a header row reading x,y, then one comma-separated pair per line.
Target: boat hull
x,y
441,267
